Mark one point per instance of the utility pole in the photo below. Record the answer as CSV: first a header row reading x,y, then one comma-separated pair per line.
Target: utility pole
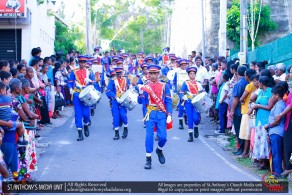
x,y
168,24
203,30
243,32
89,49
222,29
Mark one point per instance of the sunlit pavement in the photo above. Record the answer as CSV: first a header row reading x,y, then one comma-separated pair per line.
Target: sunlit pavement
x,y
100,158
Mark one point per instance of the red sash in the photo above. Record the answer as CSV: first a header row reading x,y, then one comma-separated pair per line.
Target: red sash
x,y
158,101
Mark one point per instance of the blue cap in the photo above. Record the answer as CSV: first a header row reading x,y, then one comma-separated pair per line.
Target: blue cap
x,y
119,69
173,57
183,61
97,48
89,62
125,54
120,61
115,58
194,69
148,58
112,72
82,58
141,53
153,68
120,50
144,64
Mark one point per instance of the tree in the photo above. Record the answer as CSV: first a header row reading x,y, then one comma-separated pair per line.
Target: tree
x,y
68,38
263,20
131,25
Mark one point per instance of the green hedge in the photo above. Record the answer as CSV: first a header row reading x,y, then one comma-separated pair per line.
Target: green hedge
x,y
275,52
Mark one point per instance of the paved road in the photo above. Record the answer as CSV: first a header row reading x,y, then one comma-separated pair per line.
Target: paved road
x,y
100,158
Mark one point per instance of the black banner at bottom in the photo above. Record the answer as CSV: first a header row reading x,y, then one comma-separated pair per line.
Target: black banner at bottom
x,y
145,187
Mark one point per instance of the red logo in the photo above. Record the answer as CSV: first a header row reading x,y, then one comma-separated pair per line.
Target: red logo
x,y
272,182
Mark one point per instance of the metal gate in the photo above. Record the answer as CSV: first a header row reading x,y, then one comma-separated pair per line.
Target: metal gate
x,y
10,44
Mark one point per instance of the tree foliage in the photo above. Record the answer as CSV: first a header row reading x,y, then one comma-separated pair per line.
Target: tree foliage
x,y
68,38
233,22
131,24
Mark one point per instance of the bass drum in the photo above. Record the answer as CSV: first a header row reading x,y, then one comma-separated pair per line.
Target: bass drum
x,y
89,96
202,102
129,99
170,75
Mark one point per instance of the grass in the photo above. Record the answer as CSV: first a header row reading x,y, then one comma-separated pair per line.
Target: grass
x,y
246,162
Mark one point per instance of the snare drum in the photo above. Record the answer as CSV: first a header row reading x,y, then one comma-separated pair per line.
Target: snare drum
x,y
129,99
202,102
89,96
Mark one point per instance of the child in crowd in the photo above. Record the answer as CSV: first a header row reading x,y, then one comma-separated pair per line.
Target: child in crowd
x,y
4,174
223,105
8,117
276,130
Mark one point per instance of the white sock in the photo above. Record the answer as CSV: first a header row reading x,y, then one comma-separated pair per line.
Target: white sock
x,y
148,154
190,130
126,125
159,147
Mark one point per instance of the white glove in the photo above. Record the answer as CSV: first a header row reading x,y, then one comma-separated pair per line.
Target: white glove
x,y
87,80
71,91
141,92
78,85
140,86
118,100
168,119
185,97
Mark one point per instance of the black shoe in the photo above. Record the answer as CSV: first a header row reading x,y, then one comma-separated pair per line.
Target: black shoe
x,y
80,135
125,133
181,125
37,135
160,155
196,132
117,135
86,130
148,163
92,112
186,119
238,152
22,143
191,139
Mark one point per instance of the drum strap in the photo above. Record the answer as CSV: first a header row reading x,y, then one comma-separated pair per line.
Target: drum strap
x,y
157,100
118,86
195,86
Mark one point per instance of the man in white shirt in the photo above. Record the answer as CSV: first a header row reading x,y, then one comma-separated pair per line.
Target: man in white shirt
x,y
280,72
35,67
202,75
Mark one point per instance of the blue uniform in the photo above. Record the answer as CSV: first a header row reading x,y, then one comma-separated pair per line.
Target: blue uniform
x,y
119,112
141,98
157,118
191,88
81,111
180,77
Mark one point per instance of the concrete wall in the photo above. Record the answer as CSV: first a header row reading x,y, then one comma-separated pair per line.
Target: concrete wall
x,y
187,17
40,32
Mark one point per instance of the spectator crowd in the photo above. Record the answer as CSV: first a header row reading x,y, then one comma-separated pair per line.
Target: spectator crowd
x,y
253,101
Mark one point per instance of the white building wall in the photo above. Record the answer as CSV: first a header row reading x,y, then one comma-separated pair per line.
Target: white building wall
x,y
39,33
186,27
42,30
